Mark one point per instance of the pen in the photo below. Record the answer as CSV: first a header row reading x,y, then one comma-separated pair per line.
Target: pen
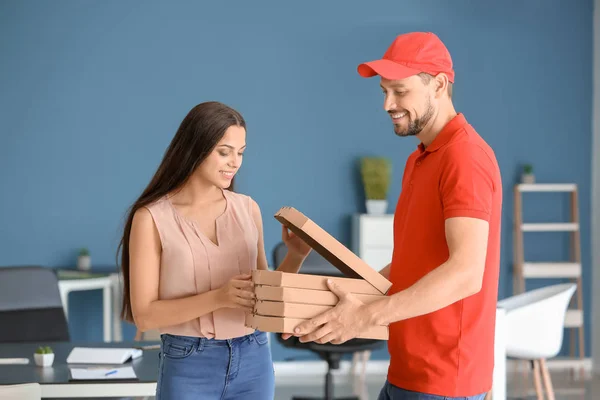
x,y
114,371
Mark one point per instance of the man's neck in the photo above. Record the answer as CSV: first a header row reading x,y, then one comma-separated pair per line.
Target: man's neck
x,y
436,124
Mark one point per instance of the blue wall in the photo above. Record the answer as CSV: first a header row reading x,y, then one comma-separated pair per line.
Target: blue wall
x,y
92,92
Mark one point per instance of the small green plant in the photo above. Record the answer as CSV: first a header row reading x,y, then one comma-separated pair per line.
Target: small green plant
x,y
44,350
84,252
527,169
375,173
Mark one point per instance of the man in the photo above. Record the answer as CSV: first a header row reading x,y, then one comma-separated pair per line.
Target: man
x,y
444,269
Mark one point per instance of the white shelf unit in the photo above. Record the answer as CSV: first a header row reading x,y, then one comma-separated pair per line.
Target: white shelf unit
x,y
569,270
373,238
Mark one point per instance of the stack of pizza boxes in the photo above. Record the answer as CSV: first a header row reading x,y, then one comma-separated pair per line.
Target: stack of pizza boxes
x,y
284,300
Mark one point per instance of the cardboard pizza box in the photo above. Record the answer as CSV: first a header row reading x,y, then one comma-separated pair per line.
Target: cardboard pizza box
x,y
315,282
331,249
306,296
284,299
289,310
287,325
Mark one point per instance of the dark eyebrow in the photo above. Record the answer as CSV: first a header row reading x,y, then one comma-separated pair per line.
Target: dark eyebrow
x,y
395,86
231,147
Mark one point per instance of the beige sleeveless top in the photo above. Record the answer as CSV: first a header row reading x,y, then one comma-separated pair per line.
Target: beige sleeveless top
x,y
191,263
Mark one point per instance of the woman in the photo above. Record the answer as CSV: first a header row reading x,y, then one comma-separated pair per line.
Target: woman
x,y
188,249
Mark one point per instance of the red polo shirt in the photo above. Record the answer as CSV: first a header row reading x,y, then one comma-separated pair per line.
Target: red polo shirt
x,y
449,352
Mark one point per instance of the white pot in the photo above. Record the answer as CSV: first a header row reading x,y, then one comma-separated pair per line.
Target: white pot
x,y
44,360
528,178
376,207
84,263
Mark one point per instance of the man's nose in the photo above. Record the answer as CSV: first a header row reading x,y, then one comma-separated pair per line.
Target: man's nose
x,y
389,104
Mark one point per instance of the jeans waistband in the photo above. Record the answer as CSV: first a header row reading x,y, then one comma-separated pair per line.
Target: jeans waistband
x,y
203,342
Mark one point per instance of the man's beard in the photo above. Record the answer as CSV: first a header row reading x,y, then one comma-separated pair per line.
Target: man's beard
x,y
415,127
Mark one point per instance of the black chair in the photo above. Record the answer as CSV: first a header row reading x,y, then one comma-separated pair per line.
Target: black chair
x,y
332,354
30,306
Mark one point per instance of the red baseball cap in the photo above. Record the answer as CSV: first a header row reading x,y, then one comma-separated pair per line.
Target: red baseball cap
x,y
410,54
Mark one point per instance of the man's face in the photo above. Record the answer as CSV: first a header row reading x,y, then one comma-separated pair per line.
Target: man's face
x,y
409,103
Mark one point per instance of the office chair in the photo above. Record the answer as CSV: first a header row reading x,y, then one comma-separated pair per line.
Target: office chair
x,y
30,306
332,354
535,323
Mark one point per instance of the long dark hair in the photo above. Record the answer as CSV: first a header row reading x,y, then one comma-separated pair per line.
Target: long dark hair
x,y
200,131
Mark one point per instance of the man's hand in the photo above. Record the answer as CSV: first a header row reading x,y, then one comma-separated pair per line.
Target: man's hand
x,y
347,320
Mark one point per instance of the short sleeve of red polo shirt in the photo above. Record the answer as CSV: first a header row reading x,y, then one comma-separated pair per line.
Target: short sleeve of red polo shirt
x,y
467,182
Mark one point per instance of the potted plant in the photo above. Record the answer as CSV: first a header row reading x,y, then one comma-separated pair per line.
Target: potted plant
x,y
527,175
84,261
44,356
376,173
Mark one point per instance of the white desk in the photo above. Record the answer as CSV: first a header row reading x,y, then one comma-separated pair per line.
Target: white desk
x,y
499,377
100,389
110,292
55,380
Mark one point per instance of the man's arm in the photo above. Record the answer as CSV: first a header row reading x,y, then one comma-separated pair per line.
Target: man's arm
x,y
459,277
468,182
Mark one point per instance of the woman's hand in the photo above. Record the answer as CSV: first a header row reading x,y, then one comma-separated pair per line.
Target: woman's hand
x,y
237,293
297,247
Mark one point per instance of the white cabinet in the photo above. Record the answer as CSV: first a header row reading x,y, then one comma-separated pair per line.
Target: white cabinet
x,y
373,238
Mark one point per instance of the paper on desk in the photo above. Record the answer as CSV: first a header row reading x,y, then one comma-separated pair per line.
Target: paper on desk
x,y
100,373
102,355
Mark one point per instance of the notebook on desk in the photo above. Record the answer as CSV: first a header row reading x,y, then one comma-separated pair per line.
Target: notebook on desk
x,y
102,355
96,373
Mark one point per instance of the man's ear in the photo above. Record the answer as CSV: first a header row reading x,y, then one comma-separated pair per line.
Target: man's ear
x,y
441,84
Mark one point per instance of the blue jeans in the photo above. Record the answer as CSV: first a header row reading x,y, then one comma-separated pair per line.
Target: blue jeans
x,y
200,368
391,392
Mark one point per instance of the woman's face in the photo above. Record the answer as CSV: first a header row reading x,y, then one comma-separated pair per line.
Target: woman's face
x,y
225,160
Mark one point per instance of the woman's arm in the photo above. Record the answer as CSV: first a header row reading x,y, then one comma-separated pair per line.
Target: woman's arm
x,y
292,261
151,313
385,271
297,249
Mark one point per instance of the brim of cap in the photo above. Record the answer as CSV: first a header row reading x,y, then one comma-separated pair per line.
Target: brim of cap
x,y
386,69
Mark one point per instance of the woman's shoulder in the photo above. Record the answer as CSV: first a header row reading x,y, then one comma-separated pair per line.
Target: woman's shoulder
x,y
247,203
240,198
158,204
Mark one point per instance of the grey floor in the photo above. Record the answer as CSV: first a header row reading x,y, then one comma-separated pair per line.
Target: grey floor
x,y
519,387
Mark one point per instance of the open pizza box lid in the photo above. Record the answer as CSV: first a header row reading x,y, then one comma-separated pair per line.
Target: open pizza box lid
x,y
330,248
